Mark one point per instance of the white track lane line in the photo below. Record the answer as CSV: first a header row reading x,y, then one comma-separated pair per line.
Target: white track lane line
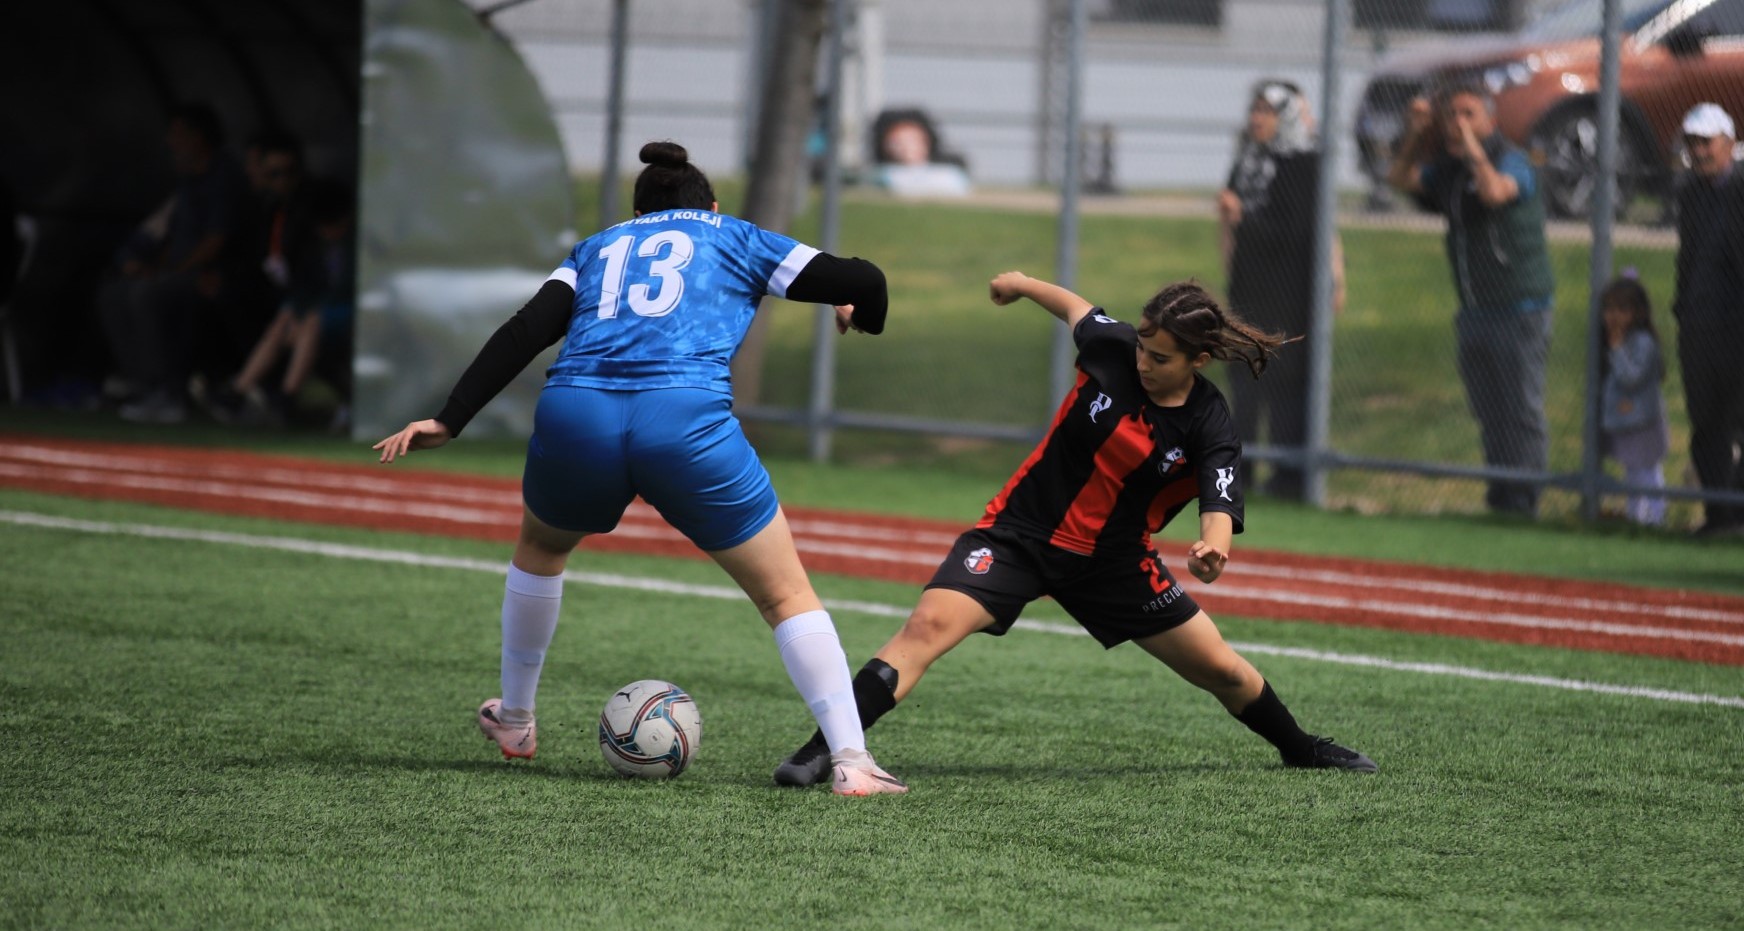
x,y
498,517
408,490
721,592
410,493
411,488
1259,566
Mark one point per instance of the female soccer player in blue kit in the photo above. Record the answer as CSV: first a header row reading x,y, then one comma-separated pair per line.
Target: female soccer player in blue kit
x,y
639,402
1131,445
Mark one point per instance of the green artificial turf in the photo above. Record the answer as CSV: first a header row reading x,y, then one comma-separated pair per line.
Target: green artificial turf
x,y
209,734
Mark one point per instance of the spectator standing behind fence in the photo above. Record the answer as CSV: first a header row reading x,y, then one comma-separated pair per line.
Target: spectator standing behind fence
x,y
1266,216
1708,308
1632,417
1501,269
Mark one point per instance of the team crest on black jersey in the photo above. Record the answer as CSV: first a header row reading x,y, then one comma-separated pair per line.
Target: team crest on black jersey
x,y
979,561
1171,459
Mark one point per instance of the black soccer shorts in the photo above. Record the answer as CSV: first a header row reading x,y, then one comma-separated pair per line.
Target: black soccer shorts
x,y
1115,598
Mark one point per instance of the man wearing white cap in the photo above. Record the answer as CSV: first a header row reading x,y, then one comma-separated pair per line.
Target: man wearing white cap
x,y
1710,314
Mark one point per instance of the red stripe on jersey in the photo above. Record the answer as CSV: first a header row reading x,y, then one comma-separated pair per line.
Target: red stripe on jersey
x,y
1180,491
998,503
1125,450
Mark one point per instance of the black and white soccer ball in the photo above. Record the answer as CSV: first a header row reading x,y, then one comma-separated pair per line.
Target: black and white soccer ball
x,y
650,729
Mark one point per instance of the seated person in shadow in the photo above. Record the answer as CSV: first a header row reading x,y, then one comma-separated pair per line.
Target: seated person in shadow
x,y
311,333
173,270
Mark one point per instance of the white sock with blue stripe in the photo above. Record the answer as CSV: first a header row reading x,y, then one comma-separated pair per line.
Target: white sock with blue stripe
x,y
530,606
812,653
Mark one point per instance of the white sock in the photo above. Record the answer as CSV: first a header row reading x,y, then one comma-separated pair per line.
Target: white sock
x,y
530,605
813,655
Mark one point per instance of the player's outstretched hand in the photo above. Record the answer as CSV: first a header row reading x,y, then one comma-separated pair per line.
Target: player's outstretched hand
x,y
845,319
1205,561
1006,287
422,434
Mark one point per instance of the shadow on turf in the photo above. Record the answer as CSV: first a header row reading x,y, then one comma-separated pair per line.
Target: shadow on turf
x,y
1019,773
1013,773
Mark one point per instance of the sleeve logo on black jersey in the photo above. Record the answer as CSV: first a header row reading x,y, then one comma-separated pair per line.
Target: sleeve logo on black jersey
x,y
1171,459
1103,402
979,561
1225,478
1103,318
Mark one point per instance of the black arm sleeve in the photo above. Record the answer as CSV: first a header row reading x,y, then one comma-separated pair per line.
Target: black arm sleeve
x,y
517,342
827,279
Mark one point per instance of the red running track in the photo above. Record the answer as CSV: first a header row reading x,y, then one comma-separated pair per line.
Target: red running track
x,y
1509,607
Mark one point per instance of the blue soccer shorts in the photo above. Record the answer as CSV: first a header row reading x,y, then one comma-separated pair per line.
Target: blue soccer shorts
x,y
593,450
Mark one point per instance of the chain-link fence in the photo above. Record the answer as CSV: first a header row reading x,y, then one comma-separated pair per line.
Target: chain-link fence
x,y
1456,355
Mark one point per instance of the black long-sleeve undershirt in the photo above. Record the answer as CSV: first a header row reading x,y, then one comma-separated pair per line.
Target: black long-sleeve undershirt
x,y
826,279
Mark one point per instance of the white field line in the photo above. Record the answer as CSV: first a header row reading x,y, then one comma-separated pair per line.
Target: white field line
x,y
642,522
407,492
498,517
721,592
410,495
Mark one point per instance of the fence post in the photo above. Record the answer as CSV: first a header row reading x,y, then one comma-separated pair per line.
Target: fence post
x,y
1603,219
821,409
1066,254
1326,230
614,114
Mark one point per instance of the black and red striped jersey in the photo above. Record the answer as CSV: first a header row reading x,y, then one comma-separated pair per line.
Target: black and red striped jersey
x,y
1115,467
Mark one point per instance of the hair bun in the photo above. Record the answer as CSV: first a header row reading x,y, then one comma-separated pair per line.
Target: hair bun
x,y
665,154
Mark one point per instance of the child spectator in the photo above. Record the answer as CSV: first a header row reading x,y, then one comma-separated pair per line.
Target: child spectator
x,y
1633,418
313,326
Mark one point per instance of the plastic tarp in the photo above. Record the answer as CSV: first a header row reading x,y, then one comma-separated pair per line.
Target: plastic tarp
x,y
466,206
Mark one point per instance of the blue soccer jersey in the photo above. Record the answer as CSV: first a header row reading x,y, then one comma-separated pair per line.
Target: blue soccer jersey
x,y
663,300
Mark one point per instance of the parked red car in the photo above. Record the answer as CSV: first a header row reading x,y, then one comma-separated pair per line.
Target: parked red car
x,y
1674,54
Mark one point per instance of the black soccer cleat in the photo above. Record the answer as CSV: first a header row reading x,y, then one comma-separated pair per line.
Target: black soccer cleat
x,y
1324,754
807,766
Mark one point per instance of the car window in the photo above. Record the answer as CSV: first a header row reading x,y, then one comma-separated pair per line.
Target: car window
x,y
1578,19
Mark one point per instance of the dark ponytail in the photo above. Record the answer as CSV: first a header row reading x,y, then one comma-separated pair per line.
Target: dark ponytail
x,y
670,181
1198,324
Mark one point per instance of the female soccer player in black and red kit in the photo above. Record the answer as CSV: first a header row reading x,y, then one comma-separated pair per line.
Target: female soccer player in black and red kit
x,y
1129,447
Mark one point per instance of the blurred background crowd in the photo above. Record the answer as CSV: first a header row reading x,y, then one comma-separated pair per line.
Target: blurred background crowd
x,y
267,212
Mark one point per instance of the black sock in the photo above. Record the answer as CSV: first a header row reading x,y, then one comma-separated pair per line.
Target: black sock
x,y
1267,717
874,693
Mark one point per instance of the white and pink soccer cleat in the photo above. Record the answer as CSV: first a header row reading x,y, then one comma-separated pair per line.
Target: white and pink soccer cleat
x,y
856,774
518,741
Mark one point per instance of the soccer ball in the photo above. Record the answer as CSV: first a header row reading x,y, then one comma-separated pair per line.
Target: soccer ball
x,y
650,729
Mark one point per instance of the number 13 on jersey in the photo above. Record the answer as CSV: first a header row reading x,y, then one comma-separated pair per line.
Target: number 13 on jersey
x,y
645,299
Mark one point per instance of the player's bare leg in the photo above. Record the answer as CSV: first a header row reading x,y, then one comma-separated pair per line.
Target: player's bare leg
x,y
768,569
532,598
1197,652
941,620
